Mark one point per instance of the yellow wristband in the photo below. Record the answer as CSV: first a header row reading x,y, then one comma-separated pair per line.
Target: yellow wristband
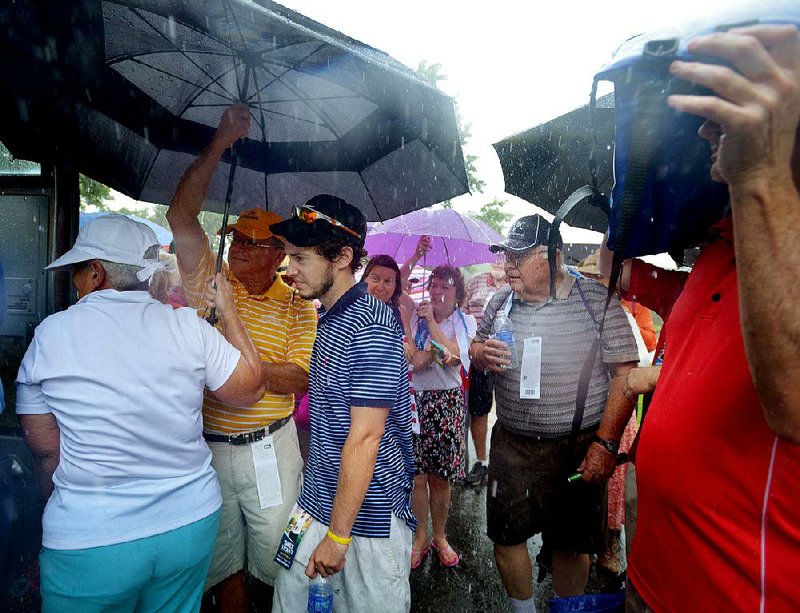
x,y
338,539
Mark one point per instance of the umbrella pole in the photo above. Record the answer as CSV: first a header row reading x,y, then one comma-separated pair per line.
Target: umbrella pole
x,y
212,317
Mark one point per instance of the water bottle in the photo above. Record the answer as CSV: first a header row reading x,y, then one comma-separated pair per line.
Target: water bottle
x,y
504,332
320,595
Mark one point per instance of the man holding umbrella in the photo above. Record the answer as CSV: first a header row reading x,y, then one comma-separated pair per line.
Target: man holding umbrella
x,y
255,449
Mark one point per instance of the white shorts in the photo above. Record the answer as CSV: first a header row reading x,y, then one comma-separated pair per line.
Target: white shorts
x,y
245,530
374,577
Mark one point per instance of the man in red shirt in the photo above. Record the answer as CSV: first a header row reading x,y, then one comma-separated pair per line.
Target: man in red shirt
x,y
718,464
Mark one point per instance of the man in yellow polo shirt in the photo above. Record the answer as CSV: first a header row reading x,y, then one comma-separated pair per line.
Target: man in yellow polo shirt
x,y
254,449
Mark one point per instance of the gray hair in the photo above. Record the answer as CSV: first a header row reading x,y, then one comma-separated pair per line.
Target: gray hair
x,y
122,277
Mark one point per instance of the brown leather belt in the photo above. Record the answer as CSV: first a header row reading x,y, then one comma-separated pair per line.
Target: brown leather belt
x,y
246,438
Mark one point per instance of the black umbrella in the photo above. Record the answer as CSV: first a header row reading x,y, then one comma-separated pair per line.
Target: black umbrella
x,y
329,114
545,164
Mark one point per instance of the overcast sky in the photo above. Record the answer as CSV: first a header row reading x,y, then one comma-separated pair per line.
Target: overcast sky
x,y
511,64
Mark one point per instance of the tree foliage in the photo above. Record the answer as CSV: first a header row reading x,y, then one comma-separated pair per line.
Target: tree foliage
x,y
95,194
492,214
432,73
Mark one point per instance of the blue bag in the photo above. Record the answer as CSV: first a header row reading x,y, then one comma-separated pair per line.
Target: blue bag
x,y
663,198
589,603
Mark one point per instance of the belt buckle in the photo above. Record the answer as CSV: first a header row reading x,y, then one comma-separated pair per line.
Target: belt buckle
x,y
252,437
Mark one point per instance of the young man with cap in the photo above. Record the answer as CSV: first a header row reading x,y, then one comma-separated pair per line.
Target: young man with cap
x,y
534,446
108,398
255,448
356,496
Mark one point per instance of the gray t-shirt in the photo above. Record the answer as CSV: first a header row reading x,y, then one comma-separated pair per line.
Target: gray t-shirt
x,y
567,331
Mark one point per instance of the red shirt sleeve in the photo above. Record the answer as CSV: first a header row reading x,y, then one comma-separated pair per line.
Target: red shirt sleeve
x,y
654,287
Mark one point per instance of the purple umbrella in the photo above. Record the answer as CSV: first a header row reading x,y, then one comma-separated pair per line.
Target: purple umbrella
x,y
458,239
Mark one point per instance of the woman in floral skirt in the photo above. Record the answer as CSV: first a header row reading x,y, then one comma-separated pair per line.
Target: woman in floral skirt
x,y
442,333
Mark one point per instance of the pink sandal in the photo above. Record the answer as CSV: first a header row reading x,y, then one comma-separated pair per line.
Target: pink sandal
x,y
447,556
418,557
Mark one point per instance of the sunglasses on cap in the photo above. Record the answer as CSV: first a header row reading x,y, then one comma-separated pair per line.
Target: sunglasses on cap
x,y
309,215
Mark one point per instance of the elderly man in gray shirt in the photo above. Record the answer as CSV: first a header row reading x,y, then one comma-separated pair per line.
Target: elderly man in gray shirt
x,y
534,448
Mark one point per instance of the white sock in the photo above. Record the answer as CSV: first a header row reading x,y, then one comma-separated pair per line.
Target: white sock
x,y
484,462
522,606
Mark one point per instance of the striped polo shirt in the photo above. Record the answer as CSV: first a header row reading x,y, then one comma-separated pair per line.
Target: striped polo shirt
x,y
567,329
282,326
358,361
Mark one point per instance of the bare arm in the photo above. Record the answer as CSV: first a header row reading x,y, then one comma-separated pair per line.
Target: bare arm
x,y
640,380
599,463
359,455
425,312
605,261
757,109
190,239
245,386
284,378
43,437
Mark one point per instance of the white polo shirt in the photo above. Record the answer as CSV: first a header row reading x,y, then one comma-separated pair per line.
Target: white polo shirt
x,y
124,376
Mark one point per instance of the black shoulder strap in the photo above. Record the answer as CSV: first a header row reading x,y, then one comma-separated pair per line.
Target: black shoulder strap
x,y
587,191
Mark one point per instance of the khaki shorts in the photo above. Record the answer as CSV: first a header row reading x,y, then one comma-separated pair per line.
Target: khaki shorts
x,y
374,577
245,530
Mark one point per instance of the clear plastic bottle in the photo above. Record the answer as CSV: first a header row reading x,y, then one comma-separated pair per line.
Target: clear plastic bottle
x,y
504,332
320,595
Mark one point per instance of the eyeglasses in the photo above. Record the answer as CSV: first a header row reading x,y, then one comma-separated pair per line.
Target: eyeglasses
x,y
517,258
309,215
246,243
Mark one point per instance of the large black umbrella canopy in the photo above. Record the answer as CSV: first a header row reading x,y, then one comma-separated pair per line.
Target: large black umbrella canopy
x,y
545,164
328,114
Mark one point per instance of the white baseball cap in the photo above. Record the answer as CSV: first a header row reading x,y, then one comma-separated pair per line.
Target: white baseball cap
x,y
114,238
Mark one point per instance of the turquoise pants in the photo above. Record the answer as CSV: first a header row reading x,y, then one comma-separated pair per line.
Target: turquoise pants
x,y
165,573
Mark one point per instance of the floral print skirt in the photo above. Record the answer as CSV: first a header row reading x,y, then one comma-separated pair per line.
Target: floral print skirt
x,y
439,447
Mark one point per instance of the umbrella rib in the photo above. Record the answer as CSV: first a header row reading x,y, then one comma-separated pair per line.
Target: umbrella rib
x,y
231,16
314,108
187,81
176,49
263,125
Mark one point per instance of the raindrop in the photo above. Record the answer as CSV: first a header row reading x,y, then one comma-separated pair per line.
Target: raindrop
x,y
171,30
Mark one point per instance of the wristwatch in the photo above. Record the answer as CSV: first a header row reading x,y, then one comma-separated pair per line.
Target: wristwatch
x,y
610,446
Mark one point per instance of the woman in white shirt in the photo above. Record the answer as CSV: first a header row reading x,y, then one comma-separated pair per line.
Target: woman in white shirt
x,y
442,333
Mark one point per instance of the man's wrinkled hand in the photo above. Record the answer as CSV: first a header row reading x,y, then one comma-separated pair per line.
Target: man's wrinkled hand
x,y
235,124
219,295
327,559
598,465
641,380
496,355
756,103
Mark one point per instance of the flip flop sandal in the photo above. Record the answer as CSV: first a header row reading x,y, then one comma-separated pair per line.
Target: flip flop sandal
x,y
447,556
418,557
